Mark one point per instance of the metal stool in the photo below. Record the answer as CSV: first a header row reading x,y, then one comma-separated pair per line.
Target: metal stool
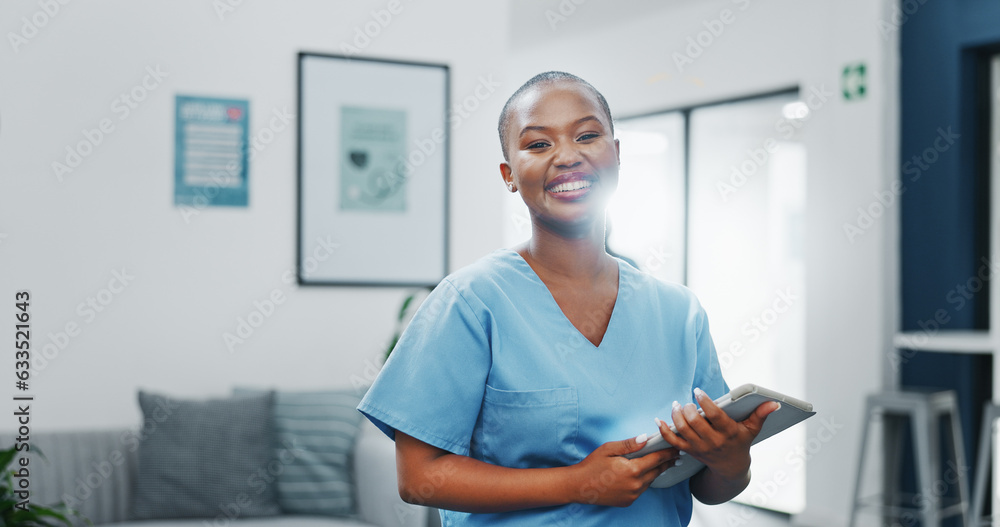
x,y
924,410
991,413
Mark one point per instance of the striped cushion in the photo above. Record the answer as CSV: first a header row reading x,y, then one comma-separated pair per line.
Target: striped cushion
x,y
315,431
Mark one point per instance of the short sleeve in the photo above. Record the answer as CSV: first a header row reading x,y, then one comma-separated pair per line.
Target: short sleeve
x,y
432,386
708,372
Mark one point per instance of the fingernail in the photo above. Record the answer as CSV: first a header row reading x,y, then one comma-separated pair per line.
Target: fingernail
x,y
677,405
778,408
698,392
641,438
678,463
659,423
683,453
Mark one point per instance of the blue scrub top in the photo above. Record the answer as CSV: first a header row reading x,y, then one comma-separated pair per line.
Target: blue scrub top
x,y
490,367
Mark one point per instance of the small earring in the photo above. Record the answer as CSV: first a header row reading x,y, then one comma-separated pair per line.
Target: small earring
x,y
510,187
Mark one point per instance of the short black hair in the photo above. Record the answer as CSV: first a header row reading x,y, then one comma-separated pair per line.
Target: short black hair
x,y
546,77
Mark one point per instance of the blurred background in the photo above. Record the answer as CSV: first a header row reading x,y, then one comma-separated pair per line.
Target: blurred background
x,y
819,173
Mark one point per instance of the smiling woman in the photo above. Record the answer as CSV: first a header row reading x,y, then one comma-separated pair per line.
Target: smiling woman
x,y
552,160
522,376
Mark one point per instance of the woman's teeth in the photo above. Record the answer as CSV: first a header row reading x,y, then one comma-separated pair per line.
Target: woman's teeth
x,y
571,185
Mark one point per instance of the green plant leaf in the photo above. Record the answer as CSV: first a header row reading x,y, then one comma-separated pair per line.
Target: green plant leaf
x,y
37,515
34,515
404,309
405,306
49,512
37,450
392,345
6,456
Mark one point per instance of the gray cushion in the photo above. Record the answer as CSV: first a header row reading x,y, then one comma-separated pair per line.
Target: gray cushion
x,y
319,429
202,459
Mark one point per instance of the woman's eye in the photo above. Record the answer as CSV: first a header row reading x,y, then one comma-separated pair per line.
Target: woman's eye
x,y
538,144
589,135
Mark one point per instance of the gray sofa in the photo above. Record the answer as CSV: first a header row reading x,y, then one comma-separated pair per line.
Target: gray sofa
x,y
95,471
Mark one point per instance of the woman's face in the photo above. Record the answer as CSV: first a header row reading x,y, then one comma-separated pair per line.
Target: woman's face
x,y
562,156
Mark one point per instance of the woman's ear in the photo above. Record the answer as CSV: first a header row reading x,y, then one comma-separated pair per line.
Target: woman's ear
x,y
508,176
618,153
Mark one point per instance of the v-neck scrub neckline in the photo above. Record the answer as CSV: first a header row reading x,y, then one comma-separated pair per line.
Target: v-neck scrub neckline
x,y
490,367
614,310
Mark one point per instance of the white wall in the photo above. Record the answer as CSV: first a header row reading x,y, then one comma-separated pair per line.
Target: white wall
x,y
192,280
628,55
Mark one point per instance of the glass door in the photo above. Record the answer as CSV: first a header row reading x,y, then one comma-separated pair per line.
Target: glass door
x,y
745,261
646,214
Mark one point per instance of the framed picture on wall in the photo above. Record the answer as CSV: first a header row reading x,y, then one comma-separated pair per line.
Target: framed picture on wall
x,y
372,171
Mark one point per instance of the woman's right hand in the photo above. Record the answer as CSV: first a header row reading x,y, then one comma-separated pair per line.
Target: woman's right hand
x,y
607,477
434,477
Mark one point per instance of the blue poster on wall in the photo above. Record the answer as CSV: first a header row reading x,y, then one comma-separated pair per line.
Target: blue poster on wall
x,y
210,152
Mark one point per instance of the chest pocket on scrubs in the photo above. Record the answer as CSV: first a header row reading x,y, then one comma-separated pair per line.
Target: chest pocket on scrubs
x,y
530,429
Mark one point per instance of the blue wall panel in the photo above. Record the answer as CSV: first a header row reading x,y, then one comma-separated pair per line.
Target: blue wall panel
x,y
945,210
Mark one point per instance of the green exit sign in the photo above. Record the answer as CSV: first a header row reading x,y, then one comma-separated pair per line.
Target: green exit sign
x,y
853,83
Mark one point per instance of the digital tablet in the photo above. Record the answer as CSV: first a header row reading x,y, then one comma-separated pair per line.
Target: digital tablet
x,y
739,403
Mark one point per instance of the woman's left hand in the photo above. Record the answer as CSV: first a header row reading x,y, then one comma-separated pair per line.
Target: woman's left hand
x,y
715,439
